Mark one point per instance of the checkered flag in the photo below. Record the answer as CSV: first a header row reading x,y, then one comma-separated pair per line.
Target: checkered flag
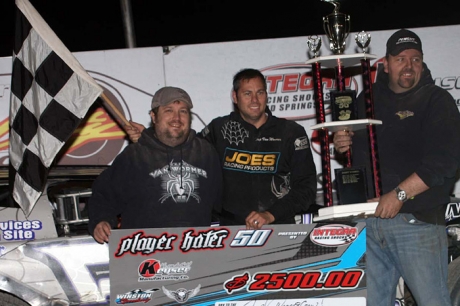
x,y
50,94
349,238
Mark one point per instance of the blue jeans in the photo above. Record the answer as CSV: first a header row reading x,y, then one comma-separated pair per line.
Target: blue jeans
x,y
406,247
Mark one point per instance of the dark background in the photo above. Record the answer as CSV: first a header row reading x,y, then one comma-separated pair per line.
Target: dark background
x,y
89,25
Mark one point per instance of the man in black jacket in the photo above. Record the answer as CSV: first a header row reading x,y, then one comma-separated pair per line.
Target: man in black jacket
x,y
170,178
268,169
269,173
419,154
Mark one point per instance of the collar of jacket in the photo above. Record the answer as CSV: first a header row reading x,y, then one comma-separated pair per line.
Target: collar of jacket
x,y
149,138
383,79
236,116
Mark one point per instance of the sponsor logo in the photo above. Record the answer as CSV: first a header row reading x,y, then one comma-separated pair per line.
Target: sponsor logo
x,y
452,211
334,235
20,230
154,270
254,162
406,40
135,296
404,114
236,283
290,89
181,295
301,143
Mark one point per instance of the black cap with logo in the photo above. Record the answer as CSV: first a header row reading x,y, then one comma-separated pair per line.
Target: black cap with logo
x,y
402,40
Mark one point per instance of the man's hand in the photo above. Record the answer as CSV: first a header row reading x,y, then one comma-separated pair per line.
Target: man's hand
x,y
255,219
388,206
102,232
134,131
342,141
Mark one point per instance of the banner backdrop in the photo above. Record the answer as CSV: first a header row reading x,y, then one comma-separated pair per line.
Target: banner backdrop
x,y
130,77
298,264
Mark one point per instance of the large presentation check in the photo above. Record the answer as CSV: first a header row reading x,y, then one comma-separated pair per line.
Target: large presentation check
x,y
319,264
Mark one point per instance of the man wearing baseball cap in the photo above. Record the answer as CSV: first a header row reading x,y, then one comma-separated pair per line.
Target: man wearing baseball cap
x,y
169,178
419,155
267,164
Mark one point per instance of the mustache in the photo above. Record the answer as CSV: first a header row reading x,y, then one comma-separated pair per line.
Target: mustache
x,y
408,70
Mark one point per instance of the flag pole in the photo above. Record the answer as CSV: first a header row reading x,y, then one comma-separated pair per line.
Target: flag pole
x,y
121,119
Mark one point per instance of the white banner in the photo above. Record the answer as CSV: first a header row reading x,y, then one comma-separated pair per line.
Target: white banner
x,y
205,71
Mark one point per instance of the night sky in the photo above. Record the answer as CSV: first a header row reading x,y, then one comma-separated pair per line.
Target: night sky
x,y
88,25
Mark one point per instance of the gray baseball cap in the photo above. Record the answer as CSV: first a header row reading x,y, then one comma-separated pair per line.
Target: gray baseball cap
x,y
169,94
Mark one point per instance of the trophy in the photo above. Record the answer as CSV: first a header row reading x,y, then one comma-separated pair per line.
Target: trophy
x,y
350,181
314,44
337,27
363,39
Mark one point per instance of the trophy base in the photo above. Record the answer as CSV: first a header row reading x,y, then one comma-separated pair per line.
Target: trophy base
x,y
349,125
351,185
349,211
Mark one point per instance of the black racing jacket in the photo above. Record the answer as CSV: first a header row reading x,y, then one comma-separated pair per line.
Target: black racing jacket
x,y
153,185
266,169
420,133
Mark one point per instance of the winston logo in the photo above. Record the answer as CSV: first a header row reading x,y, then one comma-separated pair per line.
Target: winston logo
x,y
135,296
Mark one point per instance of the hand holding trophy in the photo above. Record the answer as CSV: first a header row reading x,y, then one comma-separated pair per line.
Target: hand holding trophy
x,y
351,185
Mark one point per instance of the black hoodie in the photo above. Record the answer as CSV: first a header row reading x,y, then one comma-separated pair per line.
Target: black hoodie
x,y
152,185
420,133
269,168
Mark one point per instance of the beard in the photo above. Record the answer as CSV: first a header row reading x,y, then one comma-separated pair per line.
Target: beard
x,y
175,136
172,139
406,83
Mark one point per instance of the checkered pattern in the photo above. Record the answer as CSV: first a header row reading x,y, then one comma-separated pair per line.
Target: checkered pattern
x,y
50,94
349,238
